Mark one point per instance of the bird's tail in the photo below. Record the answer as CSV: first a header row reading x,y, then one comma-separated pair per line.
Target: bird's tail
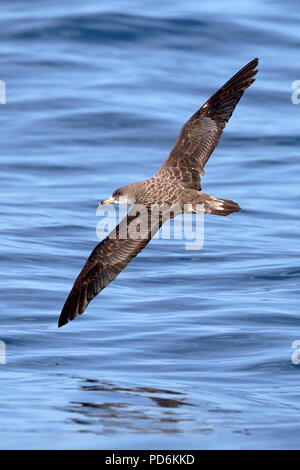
x,y
196,201
220,206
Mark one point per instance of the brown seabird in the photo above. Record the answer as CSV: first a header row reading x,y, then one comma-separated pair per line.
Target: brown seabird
x,y
177,183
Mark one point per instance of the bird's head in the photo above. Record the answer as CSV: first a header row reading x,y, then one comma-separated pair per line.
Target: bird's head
x,y
124,195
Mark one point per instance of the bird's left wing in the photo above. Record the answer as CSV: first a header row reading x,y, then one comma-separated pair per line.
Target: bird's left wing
x,y
109,258
201,133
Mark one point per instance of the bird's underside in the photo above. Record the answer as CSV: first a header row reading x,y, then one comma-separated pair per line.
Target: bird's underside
x,y
173,190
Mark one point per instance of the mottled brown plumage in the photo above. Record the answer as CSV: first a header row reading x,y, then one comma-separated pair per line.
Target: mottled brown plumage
x,y
176,184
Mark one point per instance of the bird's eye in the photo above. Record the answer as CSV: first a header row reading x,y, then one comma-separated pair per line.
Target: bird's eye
x,y
116,194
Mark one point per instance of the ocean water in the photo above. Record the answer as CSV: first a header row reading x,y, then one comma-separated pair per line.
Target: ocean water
x,y
186,348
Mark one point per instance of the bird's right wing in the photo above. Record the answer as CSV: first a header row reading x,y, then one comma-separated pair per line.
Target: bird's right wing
x,y
109,258
201,133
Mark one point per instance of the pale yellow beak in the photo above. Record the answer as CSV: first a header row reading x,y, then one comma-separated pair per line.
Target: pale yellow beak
x,y
108,201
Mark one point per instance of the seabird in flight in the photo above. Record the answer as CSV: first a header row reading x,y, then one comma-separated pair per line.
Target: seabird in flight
x,y
176,184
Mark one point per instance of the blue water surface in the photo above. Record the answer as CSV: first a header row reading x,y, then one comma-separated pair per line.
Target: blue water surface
x,y
185,349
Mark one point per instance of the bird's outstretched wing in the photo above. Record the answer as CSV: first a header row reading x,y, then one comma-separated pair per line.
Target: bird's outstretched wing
x,y
201,133
109,258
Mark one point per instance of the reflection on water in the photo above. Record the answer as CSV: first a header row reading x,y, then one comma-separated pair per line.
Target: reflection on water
x,y
110,408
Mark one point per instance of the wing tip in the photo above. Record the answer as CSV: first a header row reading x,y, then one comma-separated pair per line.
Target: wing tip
x,y
250,70
252,64
62,321
64,317
70,309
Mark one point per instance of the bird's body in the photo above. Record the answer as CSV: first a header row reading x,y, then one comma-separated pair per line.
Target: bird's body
x,y
174,189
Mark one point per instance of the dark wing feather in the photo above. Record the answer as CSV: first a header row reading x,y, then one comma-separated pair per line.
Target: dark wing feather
x,y
107,260
201,133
